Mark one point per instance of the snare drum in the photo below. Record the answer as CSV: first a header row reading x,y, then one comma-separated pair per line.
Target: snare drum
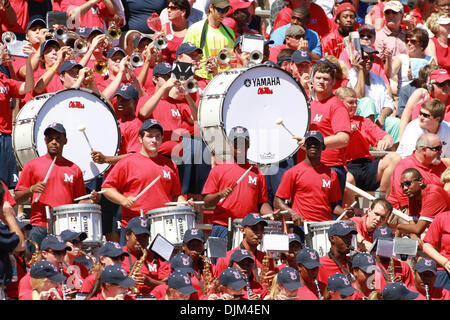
x,y
171,223
272,227
316,235
254,98
72,108
80,218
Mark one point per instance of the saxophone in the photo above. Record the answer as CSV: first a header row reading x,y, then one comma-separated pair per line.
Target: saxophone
x,y
427,292
36,256
318,289
391,271
249,290
95,266
137,268
207,278
374,295
265,268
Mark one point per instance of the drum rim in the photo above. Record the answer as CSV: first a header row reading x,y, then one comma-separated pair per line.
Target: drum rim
x,y
329,223
161,211
221,124
51,95
78,205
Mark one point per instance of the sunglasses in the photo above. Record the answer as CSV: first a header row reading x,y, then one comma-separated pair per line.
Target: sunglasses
x,y
413,41
172,8
299,36
365,35
425,115
437,148
407,183
390,12
222,10
443,84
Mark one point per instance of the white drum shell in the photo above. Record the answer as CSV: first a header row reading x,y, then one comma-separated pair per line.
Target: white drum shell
x,y
272,227
171,223
79,218
72,108
232,98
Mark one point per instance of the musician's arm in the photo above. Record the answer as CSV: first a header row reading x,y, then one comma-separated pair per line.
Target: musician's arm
x,y
114,196
416,228
265,208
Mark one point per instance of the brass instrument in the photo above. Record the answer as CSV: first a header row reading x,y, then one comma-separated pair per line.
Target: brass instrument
x,y
256,57
391,271
191,85
36,256
374,295
161,42
318,289
207,278
61,32
9,38
274,289
101,66
136,60
249,290
95,265
88,78
265,268
427,292
114,32
137,268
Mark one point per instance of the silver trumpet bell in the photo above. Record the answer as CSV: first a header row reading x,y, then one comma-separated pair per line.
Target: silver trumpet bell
x,y
136,60
191,85
61,32
256,57
224,56
80,46
161,42
9,38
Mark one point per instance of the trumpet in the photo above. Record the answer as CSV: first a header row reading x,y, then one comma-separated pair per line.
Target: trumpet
x,y
101,67
224,56
9,38
61,32
161,42
136,60
79,44
191,85
114,31
256,57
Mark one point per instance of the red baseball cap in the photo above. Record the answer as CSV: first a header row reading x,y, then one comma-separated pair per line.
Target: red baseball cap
x,y
345,7
239,4
439,75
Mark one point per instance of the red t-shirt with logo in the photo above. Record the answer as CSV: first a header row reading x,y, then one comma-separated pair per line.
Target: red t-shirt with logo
x,y
64,184
330,116
438,234
332,44
133,173
245,197
312,190
8,89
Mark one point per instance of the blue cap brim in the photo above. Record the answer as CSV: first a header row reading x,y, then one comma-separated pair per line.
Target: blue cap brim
x,y
237,285
347,291
127,282
58,278
187,290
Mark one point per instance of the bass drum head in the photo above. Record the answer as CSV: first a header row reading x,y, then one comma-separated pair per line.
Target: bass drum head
x,y
74,108
255,100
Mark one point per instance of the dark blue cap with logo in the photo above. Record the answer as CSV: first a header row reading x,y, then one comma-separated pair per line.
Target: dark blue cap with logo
x,y
36,21
300,56
181,281
113,51
239,132
309,258
69,64
58,127
241,254
44,269
383,232
341,228
289,278
314,134
90,31
187,47
192,234
143,37
127,91
232,277
252,219
365,262
111,249
293,237
69,235
162,68
426,264
55,243
47,43
339,282
151,123
397,291
139,225
182,262
116,274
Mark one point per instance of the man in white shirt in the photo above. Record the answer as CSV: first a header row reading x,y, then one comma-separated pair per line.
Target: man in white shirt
x,y
430,120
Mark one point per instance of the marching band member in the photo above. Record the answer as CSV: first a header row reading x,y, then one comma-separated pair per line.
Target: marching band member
x,y
288,259
179,287
364,266
73,270
308,264
425,272
44,279
288,285
114,284
65,181
231,286
340,287
398,291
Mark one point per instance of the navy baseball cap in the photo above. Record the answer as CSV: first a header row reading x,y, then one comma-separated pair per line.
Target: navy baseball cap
x,y
241,254
90,31
192,234
44,269
127,91
232,277
425,264
366,27
58,127
239,132
309,258
188,47
150,123
181,281
299,56
69,64
23,224
397,291
113,51
36,21
289,278
365,262
69,235
111,249
143,37
383,232
182,262
341,229
280,60
368,49
48,42
116,274
294,237
252,219
316,135
340,283
162,68
55,243
139,225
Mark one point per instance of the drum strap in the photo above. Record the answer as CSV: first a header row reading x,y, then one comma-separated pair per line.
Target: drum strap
x,y
205,29
346,270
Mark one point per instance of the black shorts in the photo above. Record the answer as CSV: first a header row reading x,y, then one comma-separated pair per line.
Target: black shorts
x,y
365,173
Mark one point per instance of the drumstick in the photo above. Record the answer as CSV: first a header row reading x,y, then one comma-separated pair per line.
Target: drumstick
x,y
183,202
147,187
271,214
280,122
46,178
238,181
370,197
82,128
345,211
87,196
